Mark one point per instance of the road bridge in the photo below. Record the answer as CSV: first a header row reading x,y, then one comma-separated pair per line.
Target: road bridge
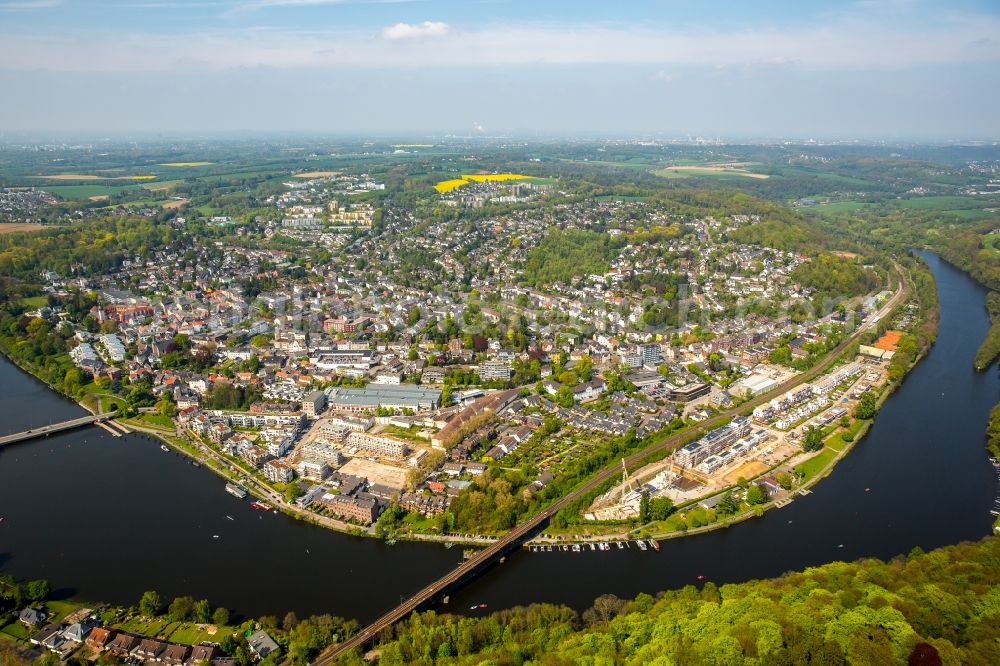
x,y
47,430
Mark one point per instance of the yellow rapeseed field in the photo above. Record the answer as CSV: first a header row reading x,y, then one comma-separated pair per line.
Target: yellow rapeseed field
x,y
150,177
446,186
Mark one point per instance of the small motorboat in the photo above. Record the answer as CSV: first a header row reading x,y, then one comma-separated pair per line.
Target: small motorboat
x,y
215,536
230,518
163,447
701,578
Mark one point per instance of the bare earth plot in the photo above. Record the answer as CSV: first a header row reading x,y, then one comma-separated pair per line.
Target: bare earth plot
x,y
18,227
317,174
394,477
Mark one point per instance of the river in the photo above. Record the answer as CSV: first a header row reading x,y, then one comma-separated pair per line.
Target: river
x,y
105,518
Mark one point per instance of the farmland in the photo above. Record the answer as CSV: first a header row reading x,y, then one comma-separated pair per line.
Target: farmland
x,y
708,170
446,186
17,228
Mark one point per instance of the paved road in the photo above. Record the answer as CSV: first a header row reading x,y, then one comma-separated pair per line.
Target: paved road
x,y
519,533
54,428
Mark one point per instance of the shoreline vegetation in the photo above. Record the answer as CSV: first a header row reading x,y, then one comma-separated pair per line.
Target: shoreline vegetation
x,y
183,621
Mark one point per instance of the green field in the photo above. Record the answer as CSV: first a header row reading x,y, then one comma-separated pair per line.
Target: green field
x,y
157,420
812,467
948,203
35,302
840,207
84,191
827,176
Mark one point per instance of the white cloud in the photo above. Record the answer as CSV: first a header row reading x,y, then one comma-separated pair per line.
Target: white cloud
x,y
416,30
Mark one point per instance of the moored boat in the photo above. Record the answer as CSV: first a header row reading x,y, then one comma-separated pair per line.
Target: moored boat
x,y
236,490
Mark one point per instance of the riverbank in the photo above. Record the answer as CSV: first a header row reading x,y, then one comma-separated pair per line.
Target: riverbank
x,y
693,517
231,469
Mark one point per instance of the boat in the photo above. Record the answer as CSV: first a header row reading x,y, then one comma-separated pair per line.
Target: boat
x,y
449,544
701,578
236,490
215,536
482,605
642,545
163,447
230,518
576,548
548,549
592,547
655,544
620,546
196,464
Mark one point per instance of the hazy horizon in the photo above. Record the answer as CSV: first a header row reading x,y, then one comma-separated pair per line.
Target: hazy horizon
x,y
893,70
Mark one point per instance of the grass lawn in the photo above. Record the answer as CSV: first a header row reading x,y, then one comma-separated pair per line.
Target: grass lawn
x,y
35,302
139,625
189,634
811,467
60,609
90,393
157,420
404,433
16,631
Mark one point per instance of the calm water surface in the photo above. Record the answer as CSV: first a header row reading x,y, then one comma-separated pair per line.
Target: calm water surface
x,y
107,518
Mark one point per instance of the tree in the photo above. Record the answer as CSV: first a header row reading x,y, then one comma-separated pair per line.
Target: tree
x,y
784,480
38,590
867,406
220,617
290,622
292,492
202,611
727,506
756,495
813,440
644,508
660,508
180,608
150,603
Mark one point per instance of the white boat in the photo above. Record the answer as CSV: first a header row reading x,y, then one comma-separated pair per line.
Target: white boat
x,y
642,545
163,447
576,548
620,546
592,547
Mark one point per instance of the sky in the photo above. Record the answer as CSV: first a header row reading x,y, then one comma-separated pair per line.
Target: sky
x,y
864,69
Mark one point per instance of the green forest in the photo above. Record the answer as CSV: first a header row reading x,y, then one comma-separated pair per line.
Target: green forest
x,y
565,254
941,607
835,277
